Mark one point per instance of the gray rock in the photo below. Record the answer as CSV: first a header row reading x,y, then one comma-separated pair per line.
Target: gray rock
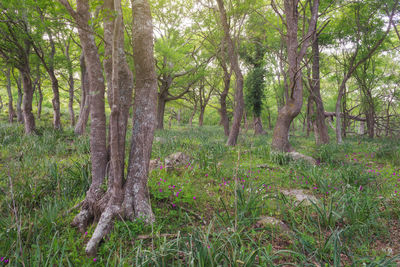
x,y
300,196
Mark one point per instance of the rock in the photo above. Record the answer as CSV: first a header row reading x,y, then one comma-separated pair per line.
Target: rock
x,y
298,156
176,160
300,196
154,164
264,221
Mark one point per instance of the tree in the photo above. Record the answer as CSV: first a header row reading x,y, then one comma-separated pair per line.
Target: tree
x,y
127,197
366,39
11,112
85,99
234,62
15,48
295,53
254,83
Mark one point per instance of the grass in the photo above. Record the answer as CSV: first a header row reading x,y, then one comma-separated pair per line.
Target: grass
x,y
207,212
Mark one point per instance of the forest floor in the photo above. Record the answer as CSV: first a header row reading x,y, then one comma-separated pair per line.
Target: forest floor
x,y
223,206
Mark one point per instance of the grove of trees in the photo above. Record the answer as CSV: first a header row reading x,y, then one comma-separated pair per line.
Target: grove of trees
x,y
102,67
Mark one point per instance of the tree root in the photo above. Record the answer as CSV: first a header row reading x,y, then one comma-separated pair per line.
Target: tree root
x,y
103,228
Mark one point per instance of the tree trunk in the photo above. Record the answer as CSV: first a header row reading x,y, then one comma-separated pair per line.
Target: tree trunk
x,y
98,151
338,106
123,77
29,119
258,128
320,129
370,116
136,194
54,87
161,111
201,116
55,101
71,90
85,99
234,61
11,112
292,107
222,101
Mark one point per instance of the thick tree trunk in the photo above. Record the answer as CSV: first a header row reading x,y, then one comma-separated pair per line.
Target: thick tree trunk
x,y
234,61
258,128
320,129
85,99
137,200
29,119
280,140
161,102
11,112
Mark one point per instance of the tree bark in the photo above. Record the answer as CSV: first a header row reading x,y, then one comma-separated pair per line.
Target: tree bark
x,y
234,61
115,63
161,102
136,193
320,129
29,119
201,116
85,99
